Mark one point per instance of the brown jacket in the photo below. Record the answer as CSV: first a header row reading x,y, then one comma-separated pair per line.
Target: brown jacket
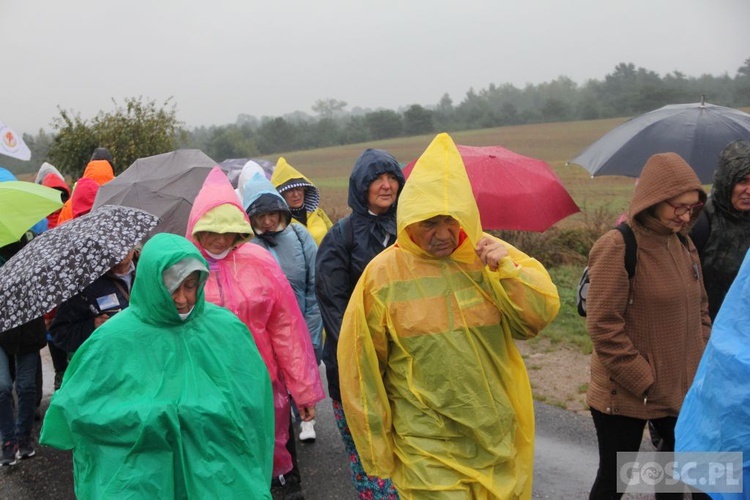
x,y
648,332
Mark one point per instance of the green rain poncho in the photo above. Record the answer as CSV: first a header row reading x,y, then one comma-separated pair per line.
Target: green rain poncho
x,y
434,390
157,407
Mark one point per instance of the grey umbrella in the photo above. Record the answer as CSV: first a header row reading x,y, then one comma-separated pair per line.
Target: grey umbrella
x,y
59,263
697,132
233,168
164,185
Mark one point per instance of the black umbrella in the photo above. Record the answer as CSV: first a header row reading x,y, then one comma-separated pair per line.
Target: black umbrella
x,y
61,262
164,185
697,132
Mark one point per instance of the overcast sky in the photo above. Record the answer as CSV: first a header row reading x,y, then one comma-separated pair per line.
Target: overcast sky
x,y
220,58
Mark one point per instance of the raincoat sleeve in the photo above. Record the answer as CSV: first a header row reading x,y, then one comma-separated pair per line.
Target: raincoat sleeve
x,y
605,321
363,352
324,217
525,293
291,342
312,309
332,283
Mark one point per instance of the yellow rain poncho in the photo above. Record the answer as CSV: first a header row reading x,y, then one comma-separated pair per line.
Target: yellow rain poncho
x,y
434,390
318,222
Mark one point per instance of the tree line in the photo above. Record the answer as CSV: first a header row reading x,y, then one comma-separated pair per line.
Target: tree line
x,y
141,127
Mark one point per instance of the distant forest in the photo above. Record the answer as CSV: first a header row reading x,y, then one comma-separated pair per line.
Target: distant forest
x,y
627,91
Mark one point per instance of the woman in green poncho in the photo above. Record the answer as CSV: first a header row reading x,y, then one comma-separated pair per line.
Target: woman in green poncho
x,y
170,398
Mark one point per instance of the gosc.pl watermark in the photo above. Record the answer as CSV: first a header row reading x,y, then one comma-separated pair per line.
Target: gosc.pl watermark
x,y
667,472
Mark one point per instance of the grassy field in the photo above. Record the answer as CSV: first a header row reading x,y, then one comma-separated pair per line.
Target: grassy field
x,y
556,143
600,199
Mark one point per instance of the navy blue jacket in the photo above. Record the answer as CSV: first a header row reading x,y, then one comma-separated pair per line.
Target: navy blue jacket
x,y
346,250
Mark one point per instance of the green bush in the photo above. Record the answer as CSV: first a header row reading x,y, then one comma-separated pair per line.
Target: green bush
x,y
560,246
564,252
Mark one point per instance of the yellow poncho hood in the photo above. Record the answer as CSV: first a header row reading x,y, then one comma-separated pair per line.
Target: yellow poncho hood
x,y
439,185
285,177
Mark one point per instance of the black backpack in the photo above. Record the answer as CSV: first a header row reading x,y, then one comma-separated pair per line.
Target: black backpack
x,y
631,246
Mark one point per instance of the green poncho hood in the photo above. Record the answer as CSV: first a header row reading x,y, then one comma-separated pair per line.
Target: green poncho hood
x,y
155,407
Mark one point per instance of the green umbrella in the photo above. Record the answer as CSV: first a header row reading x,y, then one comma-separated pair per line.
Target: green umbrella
x,y
23,204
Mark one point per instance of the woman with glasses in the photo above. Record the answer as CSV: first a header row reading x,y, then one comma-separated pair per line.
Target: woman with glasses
x,y
648,331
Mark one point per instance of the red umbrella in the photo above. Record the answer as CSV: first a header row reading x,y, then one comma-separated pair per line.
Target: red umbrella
x,y
513,191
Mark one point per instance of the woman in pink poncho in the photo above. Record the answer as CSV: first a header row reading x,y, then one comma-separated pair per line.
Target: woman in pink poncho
x,y
247,280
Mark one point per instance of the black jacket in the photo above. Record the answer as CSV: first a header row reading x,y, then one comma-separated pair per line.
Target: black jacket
x,y
31,336
722,233
74,321
346,250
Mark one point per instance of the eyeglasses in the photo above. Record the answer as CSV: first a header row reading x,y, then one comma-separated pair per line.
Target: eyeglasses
x,y
683,209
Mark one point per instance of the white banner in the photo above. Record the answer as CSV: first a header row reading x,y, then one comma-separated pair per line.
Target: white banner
x,y
11,144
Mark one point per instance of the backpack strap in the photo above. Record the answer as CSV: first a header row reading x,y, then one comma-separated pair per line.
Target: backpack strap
x,y
631,247
700,232
347,231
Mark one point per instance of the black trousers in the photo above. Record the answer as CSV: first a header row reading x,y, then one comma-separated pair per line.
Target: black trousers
x,y
619,433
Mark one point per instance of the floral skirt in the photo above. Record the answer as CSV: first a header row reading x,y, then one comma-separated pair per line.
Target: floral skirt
x,y
368,487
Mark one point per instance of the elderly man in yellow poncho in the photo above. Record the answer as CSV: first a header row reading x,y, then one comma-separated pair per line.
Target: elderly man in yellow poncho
x,y
435,392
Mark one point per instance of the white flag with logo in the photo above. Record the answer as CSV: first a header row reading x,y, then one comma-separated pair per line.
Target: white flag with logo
x,y
11,144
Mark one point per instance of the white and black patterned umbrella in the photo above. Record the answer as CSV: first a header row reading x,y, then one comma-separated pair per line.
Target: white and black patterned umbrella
x,y
59,263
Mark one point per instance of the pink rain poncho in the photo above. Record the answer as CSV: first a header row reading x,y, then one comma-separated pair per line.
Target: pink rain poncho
x,y
250,283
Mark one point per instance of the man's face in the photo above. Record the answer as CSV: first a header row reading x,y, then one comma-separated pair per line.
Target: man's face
x,y
187,293
741,194
437,236
382,193
294,197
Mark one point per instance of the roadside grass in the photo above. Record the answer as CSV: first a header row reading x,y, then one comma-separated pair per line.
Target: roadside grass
x,y
568,328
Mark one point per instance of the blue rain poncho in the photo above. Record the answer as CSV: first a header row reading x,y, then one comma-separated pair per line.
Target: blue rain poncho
x,y
157,407
715,415
434,389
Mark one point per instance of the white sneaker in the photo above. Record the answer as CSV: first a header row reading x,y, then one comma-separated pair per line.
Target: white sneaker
x,y
307,431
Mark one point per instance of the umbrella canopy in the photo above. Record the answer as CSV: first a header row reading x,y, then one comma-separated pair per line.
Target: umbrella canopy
x,y
23,204
164,185
513,191
698,132
59,263
233,168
